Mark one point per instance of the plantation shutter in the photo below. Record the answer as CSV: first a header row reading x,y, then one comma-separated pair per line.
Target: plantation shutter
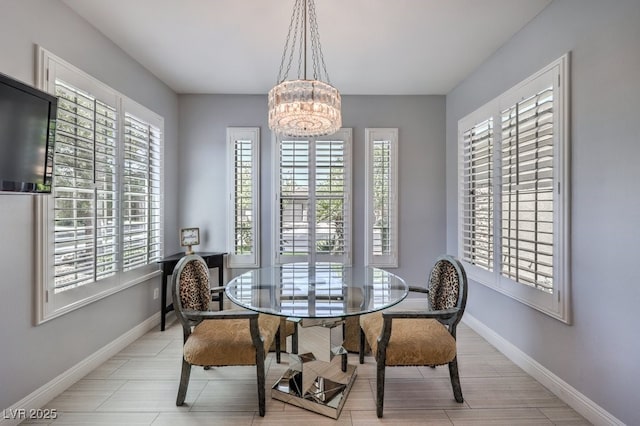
x,y
141,231
244,212
527,190
244,198
525,157
382,197
330,203
85,188
91,234
314,221
294,183
477,195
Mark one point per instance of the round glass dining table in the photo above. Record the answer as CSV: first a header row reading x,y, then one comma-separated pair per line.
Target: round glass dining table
x,y
317,290
317,294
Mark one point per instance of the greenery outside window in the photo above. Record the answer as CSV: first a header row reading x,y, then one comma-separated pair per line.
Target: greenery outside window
x,y
313,198
243,151
100,230
381,189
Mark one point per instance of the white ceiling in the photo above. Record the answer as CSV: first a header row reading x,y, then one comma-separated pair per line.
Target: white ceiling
x,y
370,46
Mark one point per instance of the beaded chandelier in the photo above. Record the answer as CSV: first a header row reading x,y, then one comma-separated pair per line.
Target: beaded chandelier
x,y
303,107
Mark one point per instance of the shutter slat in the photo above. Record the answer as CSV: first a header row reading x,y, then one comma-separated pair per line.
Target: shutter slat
x,y
527,191
329,204
477,190
244,222
84,156
141,182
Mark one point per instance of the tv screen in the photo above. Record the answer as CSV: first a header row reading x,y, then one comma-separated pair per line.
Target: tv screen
x,y
27,126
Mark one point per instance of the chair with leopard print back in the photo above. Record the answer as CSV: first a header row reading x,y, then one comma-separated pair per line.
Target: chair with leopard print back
x,y
423,338
218,338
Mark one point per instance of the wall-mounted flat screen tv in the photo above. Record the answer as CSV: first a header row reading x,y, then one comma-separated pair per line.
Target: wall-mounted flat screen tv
x,y
27,128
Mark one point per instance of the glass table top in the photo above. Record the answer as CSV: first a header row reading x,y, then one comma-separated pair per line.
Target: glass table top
x,y
320,290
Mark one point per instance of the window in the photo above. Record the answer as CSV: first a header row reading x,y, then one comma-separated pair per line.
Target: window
x,y
243,149
141,202
477,193
313,195
381,189
101,228
513,192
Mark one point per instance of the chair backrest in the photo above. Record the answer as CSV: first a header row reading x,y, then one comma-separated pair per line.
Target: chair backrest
x,y
448,286
191,287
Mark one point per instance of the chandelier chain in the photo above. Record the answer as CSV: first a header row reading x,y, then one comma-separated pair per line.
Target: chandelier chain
x,y
295,18
316,47
302,52
314,40
295,41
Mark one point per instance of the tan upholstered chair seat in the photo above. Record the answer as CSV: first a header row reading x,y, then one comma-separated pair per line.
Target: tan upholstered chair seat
x,y
228,342
412,342
352,335
217,339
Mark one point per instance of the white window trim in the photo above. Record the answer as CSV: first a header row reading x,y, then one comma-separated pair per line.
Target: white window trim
x,y
48,305
251,134
345,134
556,304
371,136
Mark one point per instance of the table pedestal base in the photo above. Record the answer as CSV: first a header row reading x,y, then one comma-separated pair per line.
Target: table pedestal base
x,y
323,388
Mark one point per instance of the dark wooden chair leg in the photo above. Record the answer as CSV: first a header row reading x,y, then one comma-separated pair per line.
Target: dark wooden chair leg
x,y
278,346
184,382
380,387
361,348
455,380
294,339
261,385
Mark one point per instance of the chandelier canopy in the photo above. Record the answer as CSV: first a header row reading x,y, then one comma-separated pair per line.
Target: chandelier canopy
x,y
303,107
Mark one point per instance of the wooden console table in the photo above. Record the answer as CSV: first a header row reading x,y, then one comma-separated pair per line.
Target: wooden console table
x,y
167,265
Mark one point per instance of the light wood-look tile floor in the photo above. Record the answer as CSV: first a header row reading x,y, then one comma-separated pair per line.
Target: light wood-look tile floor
x,y
138,386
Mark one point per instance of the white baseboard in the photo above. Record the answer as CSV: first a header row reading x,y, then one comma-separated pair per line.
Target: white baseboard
x,y
563,390
571,396
43,395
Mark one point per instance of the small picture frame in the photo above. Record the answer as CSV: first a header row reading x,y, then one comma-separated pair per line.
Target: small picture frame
x,y
189,237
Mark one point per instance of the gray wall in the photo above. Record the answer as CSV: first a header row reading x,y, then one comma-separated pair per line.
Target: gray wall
x,y
598,355
30,356
420,120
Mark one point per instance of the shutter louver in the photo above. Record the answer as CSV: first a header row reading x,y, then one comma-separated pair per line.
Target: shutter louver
x,y
527,134
141,194
294,198
381,197
243,166
527,191
314,198
85,193
382,200
86,247
243,184
477,190
329,197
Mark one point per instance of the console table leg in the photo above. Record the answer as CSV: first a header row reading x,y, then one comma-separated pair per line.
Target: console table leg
x,y
220,283
163,301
